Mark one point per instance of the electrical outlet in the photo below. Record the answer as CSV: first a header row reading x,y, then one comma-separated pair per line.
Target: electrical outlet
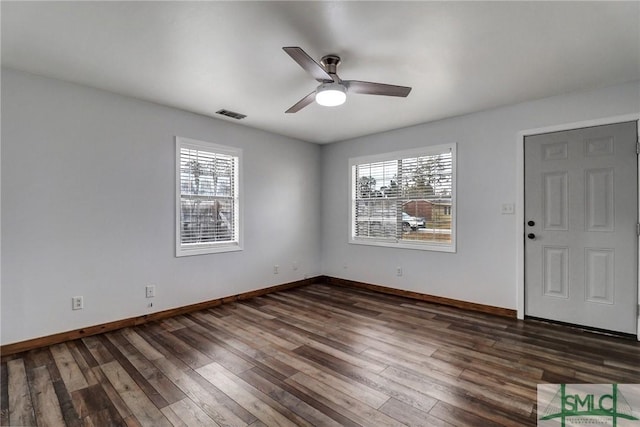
x,y
398,271
77,303
150,291
276,269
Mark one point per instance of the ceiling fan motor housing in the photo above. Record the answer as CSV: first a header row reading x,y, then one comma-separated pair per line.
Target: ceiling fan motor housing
x,y
330,63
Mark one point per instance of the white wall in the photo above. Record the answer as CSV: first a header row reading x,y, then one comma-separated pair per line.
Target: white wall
x,y
88,199
484,268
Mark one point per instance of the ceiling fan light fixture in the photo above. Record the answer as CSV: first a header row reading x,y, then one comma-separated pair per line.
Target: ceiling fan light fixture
x,y
331,94
332,90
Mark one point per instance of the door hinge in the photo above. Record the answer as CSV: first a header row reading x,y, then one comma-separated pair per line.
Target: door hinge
x,y
638,147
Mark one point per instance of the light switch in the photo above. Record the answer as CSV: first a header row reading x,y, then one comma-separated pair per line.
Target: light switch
x,y
508,209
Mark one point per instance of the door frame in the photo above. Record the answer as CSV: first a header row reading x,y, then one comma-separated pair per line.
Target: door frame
x,y
520,273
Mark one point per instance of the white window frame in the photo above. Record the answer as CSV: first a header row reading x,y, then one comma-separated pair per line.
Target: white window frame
x,y
402,243
236,244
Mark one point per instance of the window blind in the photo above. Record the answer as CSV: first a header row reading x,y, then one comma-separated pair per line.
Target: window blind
x,y
208,199
404,197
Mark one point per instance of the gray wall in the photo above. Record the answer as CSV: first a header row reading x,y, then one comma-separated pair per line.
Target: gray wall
x,y
88,205
484,268
88,197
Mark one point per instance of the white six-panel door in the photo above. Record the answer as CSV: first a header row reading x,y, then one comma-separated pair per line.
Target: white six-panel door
x,y
581,214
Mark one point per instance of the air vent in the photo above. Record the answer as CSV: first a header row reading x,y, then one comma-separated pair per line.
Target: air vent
x,y
231,114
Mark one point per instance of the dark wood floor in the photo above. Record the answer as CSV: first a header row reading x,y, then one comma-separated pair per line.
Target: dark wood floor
x,y
312,356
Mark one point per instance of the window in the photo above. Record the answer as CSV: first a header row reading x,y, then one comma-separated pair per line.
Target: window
x,y
207,198
405,199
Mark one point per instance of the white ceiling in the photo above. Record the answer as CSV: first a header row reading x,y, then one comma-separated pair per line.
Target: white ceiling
x,y
459,57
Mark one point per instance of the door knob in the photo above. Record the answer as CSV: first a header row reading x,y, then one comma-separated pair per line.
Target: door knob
x,y
531,223
531,236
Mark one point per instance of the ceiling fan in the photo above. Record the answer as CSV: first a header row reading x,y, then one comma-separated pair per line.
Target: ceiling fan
x,y
332,90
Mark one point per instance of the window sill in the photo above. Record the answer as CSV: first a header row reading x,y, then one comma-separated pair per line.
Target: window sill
x,y
435,247
207,249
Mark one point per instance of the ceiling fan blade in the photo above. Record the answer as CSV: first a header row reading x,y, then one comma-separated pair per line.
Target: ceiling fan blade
x,y
302,103
371,88
306,62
